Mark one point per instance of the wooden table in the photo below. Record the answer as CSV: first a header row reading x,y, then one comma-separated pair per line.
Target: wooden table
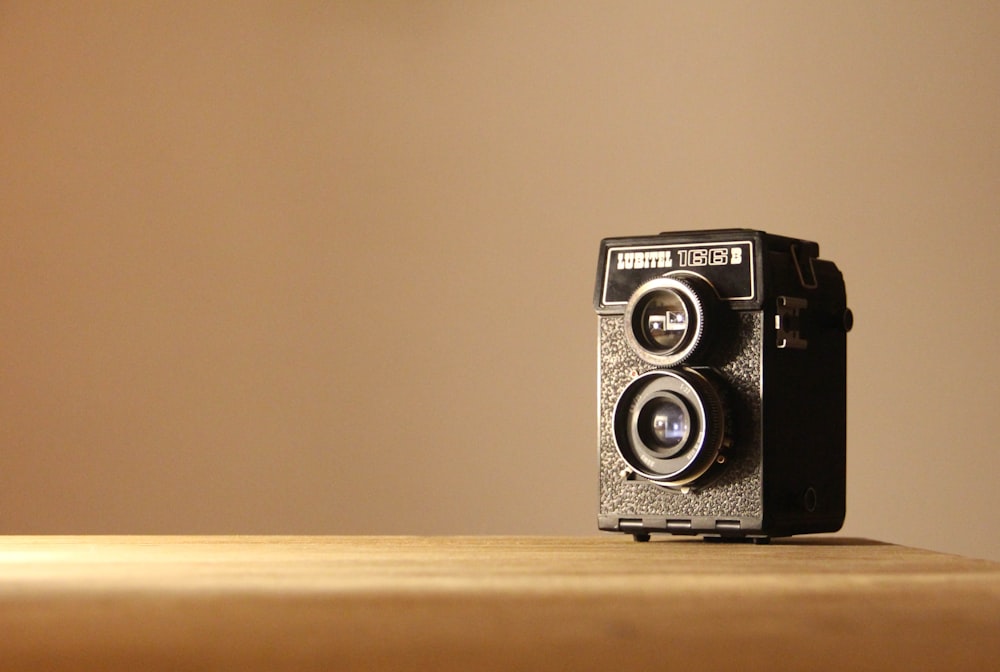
x,y
450,603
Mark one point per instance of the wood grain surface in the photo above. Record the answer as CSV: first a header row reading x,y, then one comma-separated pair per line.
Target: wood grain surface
x,y
448,603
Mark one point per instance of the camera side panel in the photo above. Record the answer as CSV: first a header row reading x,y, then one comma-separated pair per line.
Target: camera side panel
x,y
805,429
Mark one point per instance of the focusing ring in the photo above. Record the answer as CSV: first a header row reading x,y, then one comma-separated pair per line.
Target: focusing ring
x,y
665,319
702,440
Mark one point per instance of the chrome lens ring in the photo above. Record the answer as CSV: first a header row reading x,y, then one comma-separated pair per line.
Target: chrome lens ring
x,y
665,319
674,457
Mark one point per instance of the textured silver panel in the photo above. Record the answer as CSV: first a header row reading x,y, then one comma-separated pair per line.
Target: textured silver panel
x,y
736,493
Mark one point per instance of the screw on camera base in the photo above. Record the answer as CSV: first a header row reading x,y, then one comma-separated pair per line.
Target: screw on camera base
x,y
634,527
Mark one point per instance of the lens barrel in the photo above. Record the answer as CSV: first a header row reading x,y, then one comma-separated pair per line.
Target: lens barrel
x,y
669,426
665,319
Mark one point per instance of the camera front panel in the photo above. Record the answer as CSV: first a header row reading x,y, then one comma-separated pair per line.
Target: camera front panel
x,y
679,371
724,496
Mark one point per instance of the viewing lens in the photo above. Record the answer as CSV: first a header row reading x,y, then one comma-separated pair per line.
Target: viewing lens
x,y
663,320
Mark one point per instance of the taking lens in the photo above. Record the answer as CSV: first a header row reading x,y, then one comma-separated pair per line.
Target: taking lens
x,y
669,425
664,424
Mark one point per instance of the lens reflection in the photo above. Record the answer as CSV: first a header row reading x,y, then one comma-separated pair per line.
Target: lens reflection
x,y
664,423
663,320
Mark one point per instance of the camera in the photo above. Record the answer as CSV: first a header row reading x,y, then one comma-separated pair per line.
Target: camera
x,y
722,386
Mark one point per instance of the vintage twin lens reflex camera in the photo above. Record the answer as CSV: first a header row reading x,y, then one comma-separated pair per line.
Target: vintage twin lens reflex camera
x,y
721,386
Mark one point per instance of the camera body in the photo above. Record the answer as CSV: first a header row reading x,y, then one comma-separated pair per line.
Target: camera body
x,y
722,360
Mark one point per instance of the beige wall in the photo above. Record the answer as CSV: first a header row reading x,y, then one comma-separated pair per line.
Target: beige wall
x,y
291,267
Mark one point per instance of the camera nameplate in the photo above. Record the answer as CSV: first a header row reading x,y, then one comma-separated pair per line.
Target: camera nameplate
x,y
728,265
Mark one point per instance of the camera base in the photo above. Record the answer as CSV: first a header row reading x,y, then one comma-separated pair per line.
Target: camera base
x,y
717,539
643,537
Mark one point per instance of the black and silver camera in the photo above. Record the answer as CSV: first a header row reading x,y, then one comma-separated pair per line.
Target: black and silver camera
x,y
721,363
